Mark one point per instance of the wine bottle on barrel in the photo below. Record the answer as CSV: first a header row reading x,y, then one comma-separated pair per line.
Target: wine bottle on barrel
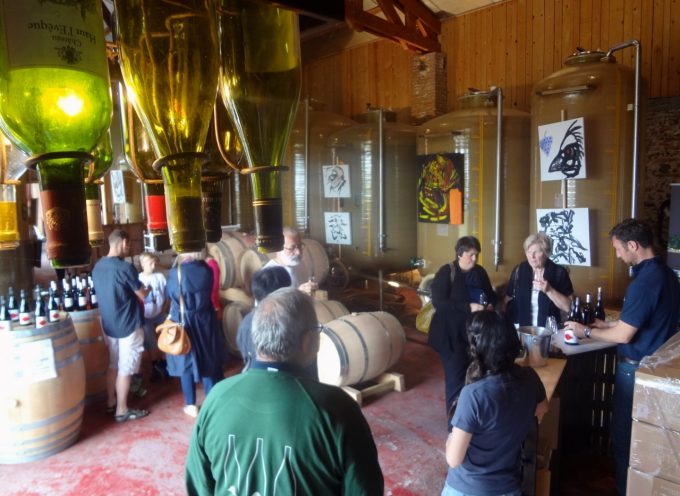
x,y
24,312
5,320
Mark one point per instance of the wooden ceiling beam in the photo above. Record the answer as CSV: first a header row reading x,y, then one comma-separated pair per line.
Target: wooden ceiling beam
x,y
407,22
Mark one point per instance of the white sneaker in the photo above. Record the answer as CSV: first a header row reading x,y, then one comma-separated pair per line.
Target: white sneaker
x,y
191,410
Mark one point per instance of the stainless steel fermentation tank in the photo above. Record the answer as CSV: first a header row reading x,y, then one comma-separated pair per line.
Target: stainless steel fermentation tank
x,y
380,156
594,86
495,145
306,154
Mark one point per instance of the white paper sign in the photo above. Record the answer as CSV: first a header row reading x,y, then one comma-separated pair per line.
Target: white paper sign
x,y
569,230
562,149
31,362
336,181
338,228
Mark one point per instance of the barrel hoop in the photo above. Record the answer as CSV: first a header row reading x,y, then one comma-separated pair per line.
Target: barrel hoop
x,y
48,421
51,435
68,361
64,327
67,344
232,260
94,340
363,346
340,347
94,375
63,444
387,335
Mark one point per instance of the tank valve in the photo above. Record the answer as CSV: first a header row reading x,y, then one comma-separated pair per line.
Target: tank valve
x,y
417,263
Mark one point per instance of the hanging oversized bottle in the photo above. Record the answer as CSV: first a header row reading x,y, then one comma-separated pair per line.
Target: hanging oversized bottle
x,y
260,84
169,58
103,156
56,104
139,155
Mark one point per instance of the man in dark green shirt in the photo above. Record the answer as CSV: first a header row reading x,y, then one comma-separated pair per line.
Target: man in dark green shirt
x,y
274,431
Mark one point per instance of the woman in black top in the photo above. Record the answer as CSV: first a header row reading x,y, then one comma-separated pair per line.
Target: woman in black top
x,y
458,289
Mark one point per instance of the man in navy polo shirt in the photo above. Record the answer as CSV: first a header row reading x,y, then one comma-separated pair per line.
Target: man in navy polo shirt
x,y
120,292
648,319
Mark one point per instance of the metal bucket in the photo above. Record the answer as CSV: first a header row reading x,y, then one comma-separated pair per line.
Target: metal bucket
x,y
536,344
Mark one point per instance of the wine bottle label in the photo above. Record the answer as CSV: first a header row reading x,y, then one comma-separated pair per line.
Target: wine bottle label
x,y
5,325
24,318
93,299
82,301
68,302
54,315
14,315
94,219
40,321
64,216
54,34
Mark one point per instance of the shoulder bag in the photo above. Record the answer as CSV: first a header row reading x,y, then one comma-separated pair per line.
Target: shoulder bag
x,y
172,337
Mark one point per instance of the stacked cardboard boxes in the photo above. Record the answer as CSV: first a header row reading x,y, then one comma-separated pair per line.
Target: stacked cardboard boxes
x,y
655,439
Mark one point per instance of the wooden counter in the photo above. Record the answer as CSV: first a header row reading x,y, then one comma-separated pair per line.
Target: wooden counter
x,y
550,374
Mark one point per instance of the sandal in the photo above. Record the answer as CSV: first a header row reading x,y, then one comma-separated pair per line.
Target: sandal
x,y
132,414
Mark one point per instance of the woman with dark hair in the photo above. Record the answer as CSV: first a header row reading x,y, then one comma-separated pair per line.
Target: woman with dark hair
x,y
264,282
495,412
457,290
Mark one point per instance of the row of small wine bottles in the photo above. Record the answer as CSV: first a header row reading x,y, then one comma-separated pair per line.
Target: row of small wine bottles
x,y
586,313
78,294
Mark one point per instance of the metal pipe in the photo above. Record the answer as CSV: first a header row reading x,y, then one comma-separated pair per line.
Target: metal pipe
x,y
381,185
499,160
307,178
636,117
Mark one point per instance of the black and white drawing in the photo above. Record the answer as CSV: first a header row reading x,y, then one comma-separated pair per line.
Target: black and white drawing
x,y
338,228
561,147
336,181
569,230
117,186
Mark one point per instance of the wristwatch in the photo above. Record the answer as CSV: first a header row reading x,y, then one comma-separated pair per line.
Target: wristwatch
x,y
587,331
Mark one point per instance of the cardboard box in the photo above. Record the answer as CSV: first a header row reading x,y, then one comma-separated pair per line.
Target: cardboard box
x,y
657,387
640,484
655,451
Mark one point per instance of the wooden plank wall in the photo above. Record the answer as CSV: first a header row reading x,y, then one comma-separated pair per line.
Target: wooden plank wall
x,y
512,44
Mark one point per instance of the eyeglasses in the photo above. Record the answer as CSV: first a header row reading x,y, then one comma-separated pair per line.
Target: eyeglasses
x,y
298,246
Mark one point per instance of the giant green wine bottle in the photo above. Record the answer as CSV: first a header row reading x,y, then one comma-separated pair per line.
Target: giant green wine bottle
x,y
55,97
169,58
260,84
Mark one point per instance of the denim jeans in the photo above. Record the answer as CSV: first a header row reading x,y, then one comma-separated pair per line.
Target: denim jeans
x,y
622,411
189,387
449,491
